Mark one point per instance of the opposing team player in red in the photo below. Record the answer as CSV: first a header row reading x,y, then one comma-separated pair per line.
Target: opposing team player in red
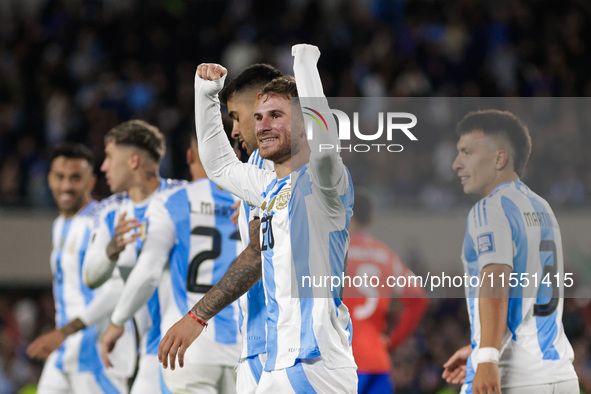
x,y
370,306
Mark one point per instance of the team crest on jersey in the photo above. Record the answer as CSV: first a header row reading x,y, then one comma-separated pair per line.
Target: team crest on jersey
x,y
283,198
278,202
486,243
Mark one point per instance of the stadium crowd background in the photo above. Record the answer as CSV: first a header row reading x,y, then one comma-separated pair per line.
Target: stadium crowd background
x,y
72,69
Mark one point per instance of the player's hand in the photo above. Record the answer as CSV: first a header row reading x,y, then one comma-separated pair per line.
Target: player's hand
x,y
454,371
120,240
176,341
487,379
236,213
209,79
306,51
211,71
108,342
42,347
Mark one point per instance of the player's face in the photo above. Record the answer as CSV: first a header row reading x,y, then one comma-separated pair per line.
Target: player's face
x,y
71,182
475,163
116,166
241,111
273,128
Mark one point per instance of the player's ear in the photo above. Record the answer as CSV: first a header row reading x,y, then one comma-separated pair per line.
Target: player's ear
x,y
190,156
92,182
502,159
134,160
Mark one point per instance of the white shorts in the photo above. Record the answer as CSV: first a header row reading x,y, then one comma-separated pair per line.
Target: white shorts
x,y
565,387
55,381
149,376
248,373
309,376
201,378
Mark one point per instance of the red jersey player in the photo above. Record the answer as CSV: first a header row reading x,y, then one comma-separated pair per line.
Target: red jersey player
x,y
369,305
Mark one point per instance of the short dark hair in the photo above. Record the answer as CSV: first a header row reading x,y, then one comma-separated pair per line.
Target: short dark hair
x,y
71,150
503,124
284,85
363,209
139,134
253,77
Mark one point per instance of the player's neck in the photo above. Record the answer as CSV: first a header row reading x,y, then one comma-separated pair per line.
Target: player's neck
x,y
142,190
70,214
501,178
197,172
291,164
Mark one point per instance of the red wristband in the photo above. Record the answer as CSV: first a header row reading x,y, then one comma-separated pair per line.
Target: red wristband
x,y
198,320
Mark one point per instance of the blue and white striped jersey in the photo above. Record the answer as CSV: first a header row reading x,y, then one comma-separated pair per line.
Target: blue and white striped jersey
x,y
98,267
73,299
516,227
304,234
253,312
190,243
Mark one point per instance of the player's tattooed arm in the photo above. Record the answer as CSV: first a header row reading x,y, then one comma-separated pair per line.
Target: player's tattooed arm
x,y
72,327
241,276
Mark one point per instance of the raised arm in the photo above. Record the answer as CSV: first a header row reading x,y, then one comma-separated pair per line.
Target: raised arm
x,y
326,165
219,160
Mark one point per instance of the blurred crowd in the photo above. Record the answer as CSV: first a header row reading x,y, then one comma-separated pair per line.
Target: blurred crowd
x,y
71,69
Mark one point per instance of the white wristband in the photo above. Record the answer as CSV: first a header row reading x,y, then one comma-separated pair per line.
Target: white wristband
x,y
487,355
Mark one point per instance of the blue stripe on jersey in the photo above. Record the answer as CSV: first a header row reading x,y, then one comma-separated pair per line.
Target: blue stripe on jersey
x,y
337,241
300,236
298,379
470,372
257,318
471,258
163,387
89,359
272,309
474,216
178,208
546,325
484,212
153,335
110,222
104,383
226,326
85,290
519,238
472,264
58,291
479,214
256,368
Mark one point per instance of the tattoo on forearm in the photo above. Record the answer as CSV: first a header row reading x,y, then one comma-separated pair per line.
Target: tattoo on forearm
x,y
72,327
241,276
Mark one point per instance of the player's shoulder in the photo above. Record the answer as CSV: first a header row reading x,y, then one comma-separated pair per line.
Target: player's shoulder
x,y
90,210
111,203
171,184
